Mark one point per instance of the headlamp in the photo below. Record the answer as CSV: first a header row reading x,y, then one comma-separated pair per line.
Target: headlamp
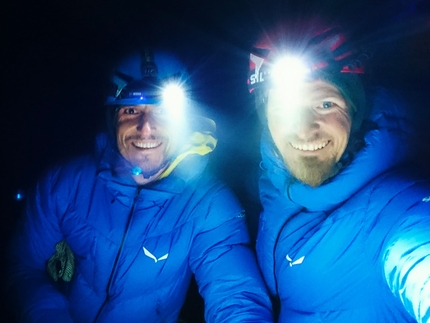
x,y
284,71
169,94
285,77
173,99
287,71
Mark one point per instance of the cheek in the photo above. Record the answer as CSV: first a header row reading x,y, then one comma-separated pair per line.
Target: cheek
x,y
276,123
122,148
276,133
346,124
341,130
281,142
341,121
119,135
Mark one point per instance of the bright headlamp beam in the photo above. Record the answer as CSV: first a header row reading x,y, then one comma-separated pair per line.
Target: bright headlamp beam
x,y
287,76
173,98
289,70
173,93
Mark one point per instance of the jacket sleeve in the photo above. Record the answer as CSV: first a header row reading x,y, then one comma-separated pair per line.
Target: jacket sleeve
x,y
407,261
225,267
33,295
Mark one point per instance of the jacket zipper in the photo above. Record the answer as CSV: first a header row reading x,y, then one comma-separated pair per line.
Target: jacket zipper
x,y
114,267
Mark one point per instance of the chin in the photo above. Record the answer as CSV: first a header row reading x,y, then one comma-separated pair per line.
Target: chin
x,y
312,171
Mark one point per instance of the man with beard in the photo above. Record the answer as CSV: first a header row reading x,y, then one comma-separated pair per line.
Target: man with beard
x,y
116,236
344,235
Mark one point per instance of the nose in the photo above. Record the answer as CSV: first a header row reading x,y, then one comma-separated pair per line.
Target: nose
x,y
305,123
145,122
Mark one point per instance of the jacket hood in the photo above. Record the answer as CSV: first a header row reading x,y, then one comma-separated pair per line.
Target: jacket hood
x,y
387,143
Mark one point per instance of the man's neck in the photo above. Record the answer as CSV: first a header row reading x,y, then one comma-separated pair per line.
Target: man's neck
x,y
142,180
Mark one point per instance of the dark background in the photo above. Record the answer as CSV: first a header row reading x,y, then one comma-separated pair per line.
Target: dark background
x,y
56,56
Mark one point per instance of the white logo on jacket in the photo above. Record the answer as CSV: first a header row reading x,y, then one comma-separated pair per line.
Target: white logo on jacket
x,y
295,262
150,255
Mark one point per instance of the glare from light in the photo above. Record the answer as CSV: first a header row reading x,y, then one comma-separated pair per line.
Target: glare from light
x,y
173,94
136,170
288,71
19,195
174,99
287,76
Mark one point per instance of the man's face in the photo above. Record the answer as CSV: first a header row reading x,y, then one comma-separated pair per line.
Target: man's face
x,y
145,137
310,126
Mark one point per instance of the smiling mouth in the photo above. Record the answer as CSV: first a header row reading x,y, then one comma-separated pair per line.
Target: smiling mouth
x,y
310,146
146,144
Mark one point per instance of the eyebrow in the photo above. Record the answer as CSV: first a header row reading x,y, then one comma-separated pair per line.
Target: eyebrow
x,y
325,92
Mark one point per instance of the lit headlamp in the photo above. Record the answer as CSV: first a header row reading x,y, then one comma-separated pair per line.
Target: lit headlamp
x,y
150,92
324,53
150,78
288,71
173,99
284,71
285,74
169,93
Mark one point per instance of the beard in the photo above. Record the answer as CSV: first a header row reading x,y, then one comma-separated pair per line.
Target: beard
x,y
311,170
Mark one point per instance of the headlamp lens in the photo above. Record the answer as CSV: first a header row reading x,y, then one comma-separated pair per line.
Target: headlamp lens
x,y
287,75
173,99
173,94
287,71
170,95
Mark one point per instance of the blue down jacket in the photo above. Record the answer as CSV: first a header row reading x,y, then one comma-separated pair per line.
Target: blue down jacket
x,y
357,248
136,248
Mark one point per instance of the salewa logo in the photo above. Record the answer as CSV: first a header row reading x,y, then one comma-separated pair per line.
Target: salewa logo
x,y
295,262
257,76
241,215
150,255
426,199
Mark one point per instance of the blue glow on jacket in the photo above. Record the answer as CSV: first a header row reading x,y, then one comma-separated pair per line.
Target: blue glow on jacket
x,y
135,248
355,249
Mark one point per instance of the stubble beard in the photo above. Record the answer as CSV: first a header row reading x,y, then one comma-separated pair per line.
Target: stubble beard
x,y
150,167
311,170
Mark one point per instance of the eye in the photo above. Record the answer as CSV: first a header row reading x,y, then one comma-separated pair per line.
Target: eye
x,y
129,110
327,105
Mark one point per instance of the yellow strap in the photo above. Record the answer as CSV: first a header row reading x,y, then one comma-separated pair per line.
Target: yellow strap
x,y
201,144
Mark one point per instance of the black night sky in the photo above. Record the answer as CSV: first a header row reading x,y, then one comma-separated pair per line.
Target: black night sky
x,y
56,56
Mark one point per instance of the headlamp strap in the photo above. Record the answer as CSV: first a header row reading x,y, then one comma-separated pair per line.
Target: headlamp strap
x,y
148,67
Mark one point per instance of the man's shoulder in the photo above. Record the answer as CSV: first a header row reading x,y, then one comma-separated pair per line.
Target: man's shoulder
x,y
209,187
72,168
406,179
405,174
83,162
206,183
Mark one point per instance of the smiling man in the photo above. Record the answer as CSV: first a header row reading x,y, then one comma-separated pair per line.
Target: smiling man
x,y
344,232
145,138
116,236
311,130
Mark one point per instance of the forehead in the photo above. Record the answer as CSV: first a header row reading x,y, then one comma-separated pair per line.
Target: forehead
x,y
304,93
320,87
317,89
